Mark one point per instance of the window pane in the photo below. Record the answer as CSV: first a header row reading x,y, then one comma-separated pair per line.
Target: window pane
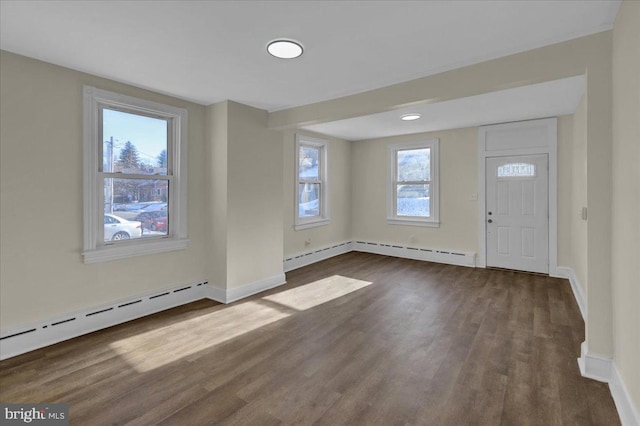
x,y
143,201
309,199
517,170
414,164
117,228
413,200
308,163
133,143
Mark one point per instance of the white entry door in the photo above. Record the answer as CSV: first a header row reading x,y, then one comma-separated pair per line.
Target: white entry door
x,y
517,213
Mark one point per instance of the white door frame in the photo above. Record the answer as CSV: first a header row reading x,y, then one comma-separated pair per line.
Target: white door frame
x,y
520,138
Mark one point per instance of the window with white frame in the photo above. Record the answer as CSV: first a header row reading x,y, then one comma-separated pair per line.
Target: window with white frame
x,y
412,197
311,188
134,176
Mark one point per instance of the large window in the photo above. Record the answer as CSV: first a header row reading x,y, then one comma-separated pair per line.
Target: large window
x,y
311,207
413,184
134,176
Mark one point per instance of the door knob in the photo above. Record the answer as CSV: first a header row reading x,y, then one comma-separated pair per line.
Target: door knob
x,y
490,221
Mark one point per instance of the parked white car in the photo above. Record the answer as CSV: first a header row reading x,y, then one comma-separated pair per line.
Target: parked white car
x,y
117,228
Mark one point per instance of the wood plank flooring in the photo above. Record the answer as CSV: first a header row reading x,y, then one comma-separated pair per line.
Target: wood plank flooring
x,y
356,339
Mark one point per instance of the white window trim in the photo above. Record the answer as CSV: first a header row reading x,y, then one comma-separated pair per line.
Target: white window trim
x,y
94,250
434,189
323,219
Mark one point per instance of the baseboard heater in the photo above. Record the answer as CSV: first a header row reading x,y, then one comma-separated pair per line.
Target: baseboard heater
x,y
308,258
451,257
460,258
24,339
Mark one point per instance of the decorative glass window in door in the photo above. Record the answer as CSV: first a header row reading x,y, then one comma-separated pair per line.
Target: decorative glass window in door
x,y
517,170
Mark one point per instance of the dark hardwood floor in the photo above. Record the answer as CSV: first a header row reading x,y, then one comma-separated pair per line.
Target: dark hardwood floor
x,y
356,339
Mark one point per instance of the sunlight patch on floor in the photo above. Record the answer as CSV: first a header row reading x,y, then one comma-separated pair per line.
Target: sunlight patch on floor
x,y
318,292
162,346
157,348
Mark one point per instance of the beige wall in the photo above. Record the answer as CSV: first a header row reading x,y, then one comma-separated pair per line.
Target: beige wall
x,y
565,167
235,198
578,227
339,171
255,198
599,323
42,273
572,193
458,181
244,193
626,195
215,194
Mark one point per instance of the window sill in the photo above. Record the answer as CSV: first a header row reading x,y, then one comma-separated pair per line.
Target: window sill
x,y
306,225
108,253
413,222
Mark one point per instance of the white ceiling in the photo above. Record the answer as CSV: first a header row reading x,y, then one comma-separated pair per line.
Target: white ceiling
x,y
208,51
549,99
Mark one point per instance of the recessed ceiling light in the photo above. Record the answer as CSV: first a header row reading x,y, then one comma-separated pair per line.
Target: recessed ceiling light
x,y
284,49
410,117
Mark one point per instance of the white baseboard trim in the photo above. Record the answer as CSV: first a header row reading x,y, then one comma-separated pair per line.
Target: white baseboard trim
x,y
594,367
305,259
233,294
216,294
578,294
20,340
459,258
259,286
628,412
605,370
